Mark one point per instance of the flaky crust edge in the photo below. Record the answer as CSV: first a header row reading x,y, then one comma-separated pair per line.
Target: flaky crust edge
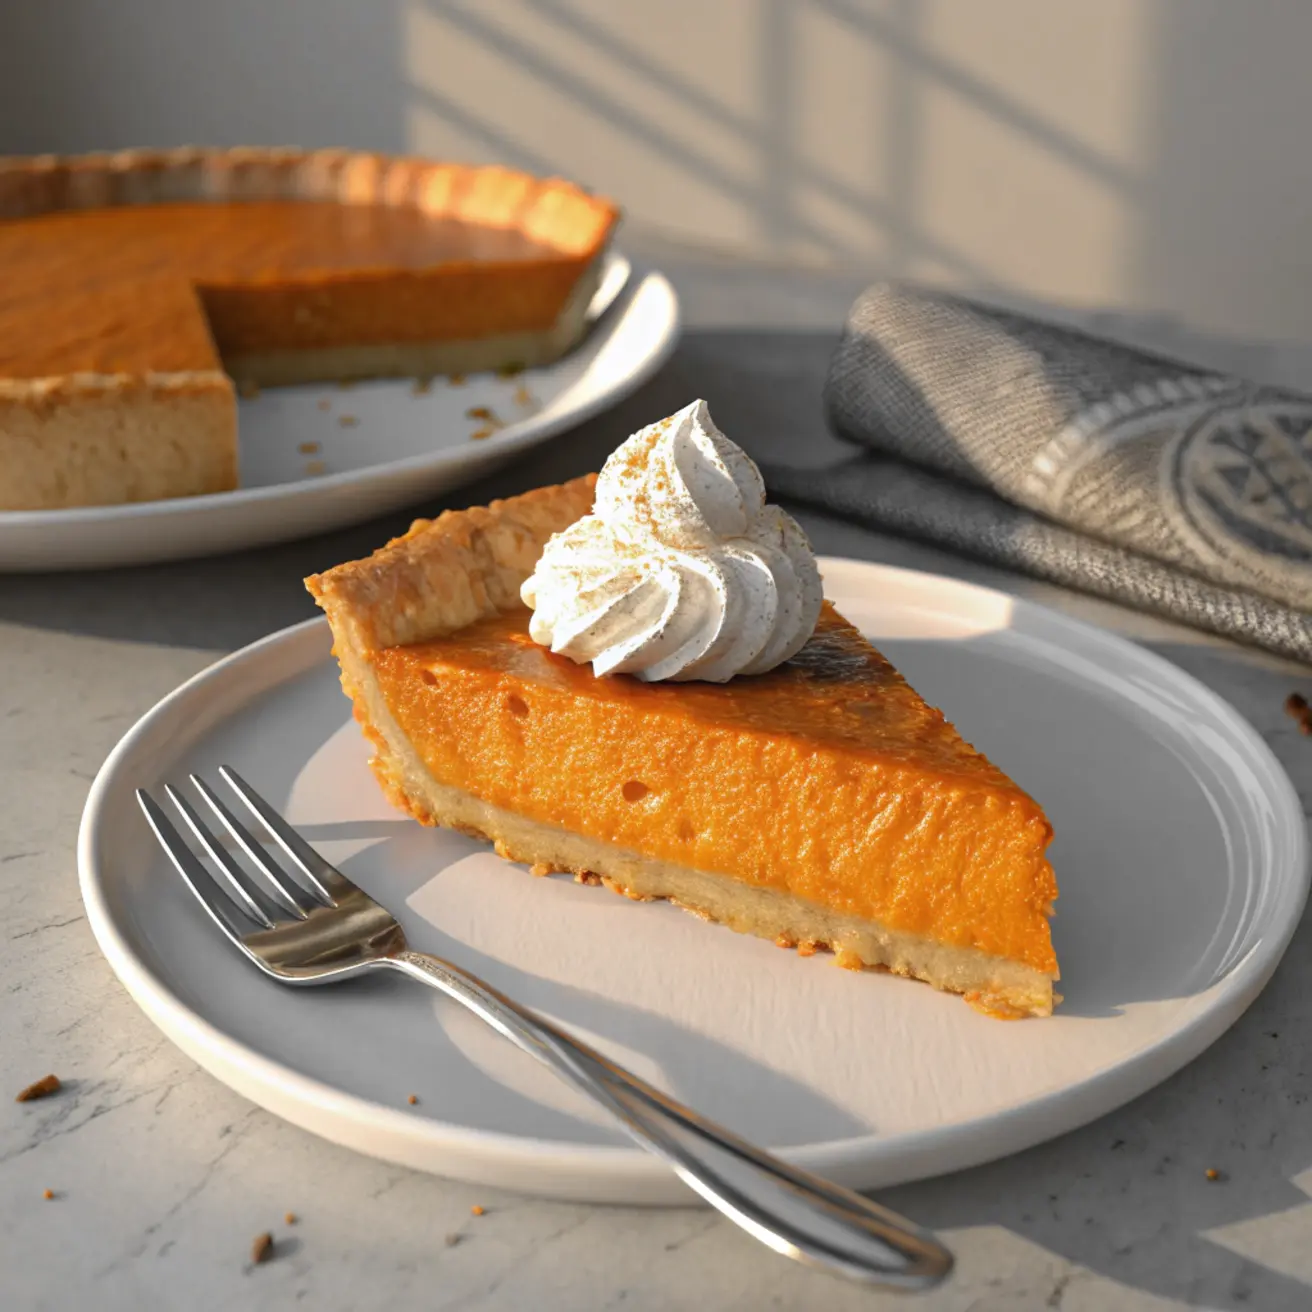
x,y
448,572
552,211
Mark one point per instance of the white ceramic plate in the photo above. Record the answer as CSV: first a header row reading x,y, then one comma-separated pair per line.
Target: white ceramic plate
x,y
1179,851
306,471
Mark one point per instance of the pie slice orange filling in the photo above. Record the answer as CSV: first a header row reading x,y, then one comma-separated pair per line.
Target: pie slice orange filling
x,y
823,804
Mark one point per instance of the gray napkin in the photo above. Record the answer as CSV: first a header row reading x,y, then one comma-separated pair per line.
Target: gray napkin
x,y
1078,460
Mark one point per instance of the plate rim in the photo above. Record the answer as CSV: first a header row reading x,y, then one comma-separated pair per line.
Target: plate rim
x,y
620,1173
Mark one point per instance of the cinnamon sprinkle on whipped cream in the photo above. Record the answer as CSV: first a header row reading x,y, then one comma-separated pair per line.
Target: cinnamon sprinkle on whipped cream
x,y
682,571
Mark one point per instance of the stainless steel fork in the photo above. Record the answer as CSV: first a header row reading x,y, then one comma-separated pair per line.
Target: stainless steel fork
x,y
314,926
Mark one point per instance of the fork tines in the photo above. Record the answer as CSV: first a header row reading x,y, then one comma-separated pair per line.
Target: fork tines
x,y
260,897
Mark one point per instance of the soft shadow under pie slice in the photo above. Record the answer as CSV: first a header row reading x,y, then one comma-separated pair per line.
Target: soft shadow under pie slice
x,y
823,804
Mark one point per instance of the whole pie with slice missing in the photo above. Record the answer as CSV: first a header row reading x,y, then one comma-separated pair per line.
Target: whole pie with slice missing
x,y
141,289
821,803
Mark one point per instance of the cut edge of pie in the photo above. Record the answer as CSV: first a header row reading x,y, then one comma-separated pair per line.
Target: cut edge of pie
x,y
467,566
92,438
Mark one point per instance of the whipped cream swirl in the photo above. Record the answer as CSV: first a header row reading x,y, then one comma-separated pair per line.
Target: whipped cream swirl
x,y
682,571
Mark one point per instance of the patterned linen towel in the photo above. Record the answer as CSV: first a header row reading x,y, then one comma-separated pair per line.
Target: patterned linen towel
x,y
1075,459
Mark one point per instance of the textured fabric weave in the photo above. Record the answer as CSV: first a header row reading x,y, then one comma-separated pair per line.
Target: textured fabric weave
x,y
1077,460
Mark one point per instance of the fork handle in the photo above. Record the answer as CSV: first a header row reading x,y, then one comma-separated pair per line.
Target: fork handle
x,y
790,1210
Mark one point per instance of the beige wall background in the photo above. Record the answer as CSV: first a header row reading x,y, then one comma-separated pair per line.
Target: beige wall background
x,y
1142,154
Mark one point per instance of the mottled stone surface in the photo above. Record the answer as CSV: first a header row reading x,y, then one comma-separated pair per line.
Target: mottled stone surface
x,y
162,1177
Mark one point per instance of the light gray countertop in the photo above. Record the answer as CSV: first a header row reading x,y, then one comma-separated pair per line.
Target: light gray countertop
x,y
163,1176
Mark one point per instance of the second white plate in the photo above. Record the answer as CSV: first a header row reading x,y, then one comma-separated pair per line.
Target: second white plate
x,y
320,457
1180,854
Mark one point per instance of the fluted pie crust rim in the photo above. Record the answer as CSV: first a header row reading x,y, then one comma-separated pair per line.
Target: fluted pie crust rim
x,y
448,573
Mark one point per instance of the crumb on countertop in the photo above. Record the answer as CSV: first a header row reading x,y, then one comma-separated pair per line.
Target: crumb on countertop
x,y
477,1210
48,1194
412,1099
480,433
348,421
1212,1173
309,448
262,1248
1297,707
42,1088
289,1218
